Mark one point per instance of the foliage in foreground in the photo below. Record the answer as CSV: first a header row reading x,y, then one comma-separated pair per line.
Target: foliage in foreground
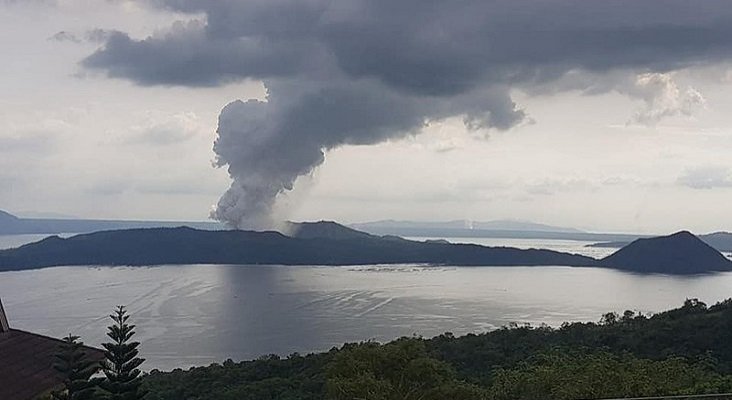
x,y
77,369
569,374
683,351
122,376
400,370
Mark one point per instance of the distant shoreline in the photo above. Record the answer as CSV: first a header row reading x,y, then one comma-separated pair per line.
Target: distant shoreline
x,y
330,244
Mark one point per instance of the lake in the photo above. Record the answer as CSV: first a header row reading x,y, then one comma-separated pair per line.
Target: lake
x,y
198,314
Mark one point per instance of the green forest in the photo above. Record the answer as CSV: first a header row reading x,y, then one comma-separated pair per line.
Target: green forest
x,y
687,350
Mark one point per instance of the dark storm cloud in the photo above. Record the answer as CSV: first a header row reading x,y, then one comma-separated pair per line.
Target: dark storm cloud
x,y
188,56
360,72
431,47
93,36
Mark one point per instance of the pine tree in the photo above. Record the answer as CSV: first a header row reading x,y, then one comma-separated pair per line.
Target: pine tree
x,y
121,366
76,369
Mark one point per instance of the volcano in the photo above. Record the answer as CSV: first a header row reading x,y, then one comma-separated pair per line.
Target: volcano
x,y
680,253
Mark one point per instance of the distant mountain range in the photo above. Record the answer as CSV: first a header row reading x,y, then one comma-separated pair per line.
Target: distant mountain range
x,y
507,229
12,225
328,243
500,225
7,218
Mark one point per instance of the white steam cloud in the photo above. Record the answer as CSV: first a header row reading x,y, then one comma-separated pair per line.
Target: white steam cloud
x,y
664,98
268,145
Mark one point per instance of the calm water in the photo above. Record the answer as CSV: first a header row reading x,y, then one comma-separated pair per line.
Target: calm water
x,y
198,314
188,315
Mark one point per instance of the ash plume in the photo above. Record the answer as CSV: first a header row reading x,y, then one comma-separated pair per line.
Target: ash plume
x,y
266,146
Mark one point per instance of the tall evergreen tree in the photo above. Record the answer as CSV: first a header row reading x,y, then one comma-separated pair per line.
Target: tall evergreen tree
x,y
76,369
121,367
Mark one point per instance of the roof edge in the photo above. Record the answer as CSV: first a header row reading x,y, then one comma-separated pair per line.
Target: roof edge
x,y
95,351
4,326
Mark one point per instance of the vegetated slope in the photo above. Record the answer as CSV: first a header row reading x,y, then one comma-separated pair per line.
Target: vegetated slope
x,y
680,253
190,246
323,229
681,351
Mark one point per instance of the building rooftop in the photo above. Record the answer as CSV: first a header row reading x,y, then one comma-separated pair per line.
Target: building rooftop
x,y
26,362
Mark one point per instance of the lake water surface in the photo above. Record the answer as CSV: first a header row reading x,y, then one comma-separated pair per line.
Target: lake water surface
x,y
198,314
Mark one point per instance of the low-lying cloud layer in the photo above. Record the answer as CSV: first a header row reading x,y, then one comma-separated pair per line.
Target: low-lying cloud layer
x,y
361,72
707,177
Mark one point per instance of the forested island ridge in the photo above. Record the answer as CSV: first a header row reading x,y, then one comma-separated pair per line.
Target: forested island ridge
x,y
328,243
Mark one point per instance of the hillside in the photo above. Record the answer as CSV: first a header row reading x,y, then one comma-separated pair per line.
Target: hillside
x,y
191,246
680,253
323,229
682,351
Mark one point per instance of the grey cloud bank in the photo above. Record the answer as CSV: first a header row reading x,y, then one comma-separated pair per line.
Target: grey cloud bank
x,y
708,177
361,72
426,47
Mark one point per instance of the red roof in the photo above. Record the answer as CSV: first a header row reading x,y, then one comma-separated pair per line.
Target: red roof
x,y
26,364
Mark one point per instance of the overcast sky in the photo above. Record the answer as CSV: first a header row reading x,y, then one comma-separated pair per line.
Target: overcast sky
x,y
609,115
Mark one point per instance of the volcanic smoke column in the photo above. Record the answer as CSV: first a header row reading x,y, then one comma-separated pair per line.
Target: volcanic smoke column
x,y
267,145
262,161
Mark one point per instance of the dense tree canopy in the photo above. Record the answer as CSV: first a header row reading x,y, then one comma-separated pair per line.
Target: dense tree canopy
x,y
121,366
682,351
76,369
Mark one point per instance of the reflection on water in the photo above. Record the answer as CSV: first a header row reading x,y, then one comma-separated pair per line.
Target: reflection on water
x,y
193,315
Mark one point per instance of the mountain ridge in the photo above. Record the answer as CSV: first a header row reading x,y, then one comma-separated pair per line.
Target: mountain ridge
x,y
322,229
678,253
184,245
329,243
